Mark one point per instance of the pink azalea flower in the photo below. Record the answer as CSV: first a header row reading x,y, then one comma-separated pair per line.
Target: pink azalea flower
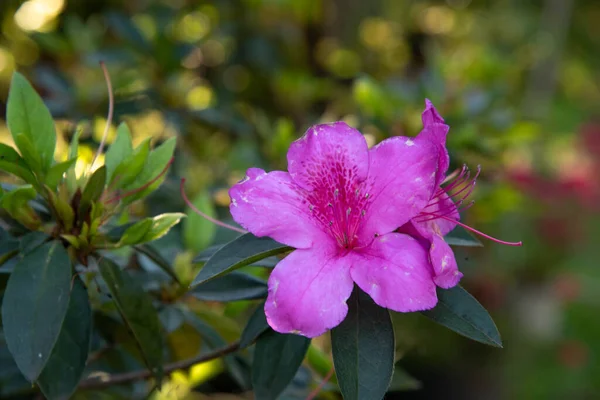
x,y
441,214
339,206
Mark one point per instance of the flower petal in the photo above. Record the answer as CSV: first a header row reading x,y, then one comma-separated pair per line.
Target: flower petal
x,y
396,273
328,152
442,258
401,177
440,205
436,130
308,292
271,204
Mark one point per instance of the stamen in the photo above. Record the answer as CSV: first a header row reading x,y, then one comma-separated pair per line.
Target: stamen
x,y
206,217
467,227
111,107
145,186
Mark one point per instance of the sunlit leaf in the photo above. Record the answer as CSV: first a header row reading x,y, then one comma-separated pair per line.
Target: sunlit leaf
x,y
118,151
27,114
13,163
198,232
56,172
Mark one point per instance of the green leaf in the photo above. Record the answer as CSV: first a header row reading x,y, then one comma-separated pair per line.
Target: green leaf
x,y
118,151
136,308
135,233
13,163
34,307
231,287
461,237
16,204
27,114
129,169
8,243
29,154
161,224
277,357
73,154
31,241
157,161
245,250
64,369
363,349
198,232
206,254
256,325
157,259
56,172
459,311
93,190
402,381
215,341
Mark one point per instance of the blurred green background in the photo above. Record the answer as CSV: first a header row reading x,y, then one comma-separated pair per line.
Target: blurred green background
x,y
237,81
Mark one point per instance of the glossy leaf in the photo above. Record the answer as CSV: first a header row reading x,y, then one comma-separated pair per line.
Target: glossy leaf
x,y
93,189
256,325
135,306
73,153
198,232
13,163
66,365
245,250
161,224
131,166
461,237
27,114
118,151
231,287
35,304
363,349
460,312
207,253
157,161
277,358
135,233
57,171
31,241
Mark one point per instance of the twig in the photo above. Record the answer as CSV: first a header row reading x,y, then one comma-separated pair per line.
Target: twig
x,y
318,389
111,107
127,377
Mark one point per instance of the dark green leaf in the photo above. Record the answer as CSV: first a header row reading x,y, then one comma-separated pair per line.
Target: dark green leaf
x,y
35,304
460,312
277,357
245,250
64,369
461,237
402,381
363,349
207,253
158,259
215,341
127,30
257,324
93,189
56,172
7,242
27,114
11,162
231,287
31,241
138,313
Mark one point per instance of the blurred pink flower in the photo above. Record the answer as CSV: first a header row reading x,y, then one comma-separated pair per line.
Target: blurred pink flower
x,y
339,206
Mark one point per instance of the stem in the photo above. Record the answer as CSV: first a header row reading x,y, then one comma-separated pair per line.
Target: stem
x,y
128,377
111,107
143,187
158,260
207,217
467,227
318,389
